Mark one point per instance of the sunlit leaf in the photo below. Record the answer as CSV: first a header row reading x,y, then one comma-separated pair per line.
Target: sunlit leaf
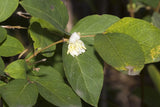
x,y
7,7
17,69
145,33
11,47
121,51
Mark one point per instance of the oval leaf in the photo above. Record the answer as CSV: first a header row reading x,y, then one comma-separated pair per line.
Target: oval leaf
x,y
7,7
145,33
19,93
94,24
121,51
84,73
2,66
53,11
53,88
17,69
3,34
11,47
42,38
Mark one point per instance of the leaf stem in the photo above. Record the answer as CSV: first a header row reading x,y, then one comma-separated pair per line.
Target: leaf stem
x,y
36,53
131,9
87,36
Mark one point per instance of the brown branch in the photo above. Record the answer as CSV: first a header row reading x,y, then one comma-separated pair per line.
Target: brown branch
x,y
36,53
13,27
131,9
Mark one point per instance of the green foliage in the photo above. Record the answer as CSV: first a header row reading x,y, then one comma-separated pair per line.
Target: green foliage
x,y
155,76
10,47
94,24
152,3
3,34
145,33
121,51
42,38
52,87
7,8
19,93
2,66
126,44
17,69
84,73
52,11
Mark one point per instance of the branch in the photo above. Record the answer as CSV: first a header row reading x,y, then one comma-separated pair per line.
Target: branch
x,y
131,9
36,53
13,27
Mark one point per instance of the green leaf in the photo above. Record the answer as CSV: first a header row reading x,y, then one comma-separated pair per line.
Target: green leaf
x,y
20,93
2,66
7,7
152,3
3,34
121,51
145,33
53,11
84,73
94,24
42,38
17,69
45,24
52,87
155,76
11,47
156,19
2,83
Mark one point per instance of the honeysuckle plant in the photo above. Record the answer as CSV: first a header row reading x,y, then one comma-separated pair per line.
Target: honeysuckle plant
x,y
126,44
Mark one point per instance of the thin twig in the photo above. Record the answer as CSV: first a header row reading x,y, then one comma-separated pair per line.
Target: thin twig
x,y
13,27
36,53
21,54
131,9
158,7
22,14
88,36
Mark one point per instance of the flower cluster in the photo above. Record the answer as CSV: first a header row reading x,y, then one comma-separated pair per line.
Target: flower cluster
x,y
76,46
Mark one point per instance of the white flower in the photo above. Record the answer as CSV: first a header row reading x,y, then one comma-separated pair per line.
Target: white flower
x,y
76,46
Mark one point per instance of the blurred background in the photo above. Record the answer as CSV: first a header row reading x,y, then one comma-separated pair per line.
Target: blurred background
x,y
119,90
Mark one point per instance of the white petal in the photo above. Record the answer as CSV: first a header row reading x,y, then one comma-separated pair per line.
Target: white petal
x,y
74,37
